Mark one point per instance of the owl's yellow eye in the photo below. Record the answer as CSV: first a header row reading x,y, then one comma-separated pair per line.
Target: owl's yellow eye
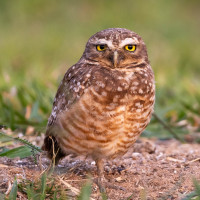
x,y
130,47
101,47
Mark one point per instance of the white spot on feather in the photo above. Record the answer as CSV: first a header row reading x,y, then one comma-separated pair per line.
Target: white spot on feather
x,y
131,134
152,98
133,88
138,105
135,83
53,114
104,93
141,91
119,89
121,108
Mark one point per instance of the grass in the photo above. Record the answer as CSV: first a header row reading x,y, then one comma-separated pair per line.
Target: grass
x,y
40,189
45,188
40,40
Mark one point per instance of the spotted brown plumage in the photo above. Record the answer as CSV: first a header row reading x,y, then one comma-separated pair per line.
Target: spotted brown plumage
x,y
105,100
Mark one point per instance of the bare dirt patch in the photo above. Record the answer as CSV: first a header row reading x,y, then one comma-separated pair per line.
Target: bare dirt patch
x,y
152,169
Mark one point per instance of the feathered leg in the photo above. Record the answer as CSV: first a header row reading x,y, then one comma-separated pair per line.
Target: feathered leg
x,y
100,179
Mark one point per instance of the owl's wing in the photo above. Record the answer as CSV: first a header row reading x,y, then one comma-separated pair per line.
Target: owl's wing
x,y
75,81
72,87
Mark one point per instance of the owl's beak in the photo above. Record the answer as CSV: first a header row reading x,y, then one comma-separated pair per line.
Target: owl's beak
x,y
115,59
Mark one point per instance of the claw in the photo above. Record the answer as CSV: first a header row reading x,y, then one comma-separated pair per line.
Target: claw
x,y
101,181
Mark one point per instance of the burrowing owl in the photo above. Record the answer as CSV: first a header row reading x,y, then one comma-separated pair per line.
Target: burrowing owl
x,y
104,101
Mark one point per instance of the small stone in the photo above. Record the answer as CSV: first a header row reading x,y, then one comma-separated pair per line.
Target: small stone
x,y
119,179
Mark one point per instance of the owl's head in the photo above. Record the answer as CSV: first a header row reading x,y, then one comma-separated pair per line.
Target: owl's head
x,y
116,48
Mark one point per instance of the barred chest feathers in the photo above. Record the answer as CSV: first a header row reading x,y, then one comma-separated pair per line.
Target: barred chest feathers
x,y
112,113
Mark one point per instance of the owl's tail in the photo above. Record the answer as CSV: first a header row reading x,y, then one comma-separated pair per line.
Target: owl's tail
x,y
53,149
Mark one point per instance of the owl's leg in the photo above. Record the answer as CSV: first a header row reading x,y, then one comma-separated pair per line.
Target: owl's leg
x,y
101,179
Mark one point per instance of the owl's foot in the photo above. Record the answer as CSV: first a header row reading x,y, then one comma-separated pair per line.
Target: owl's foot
x,y
102,183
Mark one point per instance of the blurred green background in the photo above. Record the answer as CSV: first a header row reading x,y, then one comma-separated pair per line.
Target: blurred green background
x,y
40,40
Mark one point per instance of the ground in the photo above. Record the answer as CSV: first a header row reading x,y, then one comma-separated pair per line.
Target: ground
x,y
152,169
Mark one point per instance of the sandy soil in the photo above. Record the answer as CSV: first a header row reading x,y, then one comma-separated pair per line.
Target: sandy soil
x,y
152,169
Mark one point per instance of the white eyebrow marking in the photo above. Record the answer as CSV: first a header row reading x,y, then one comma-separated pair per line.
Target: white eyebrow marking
x,y
129,41
108,42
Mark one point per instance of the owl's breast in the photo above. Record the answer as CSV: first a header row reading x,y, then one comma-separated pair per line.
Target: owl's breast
x,y
108,118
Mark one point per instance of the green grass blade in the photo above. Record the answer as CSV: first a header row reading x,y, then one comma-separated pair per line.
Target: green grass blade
x,y
30,192
167,127
21,152
85,191
197,186
190,196
26,142
104,196
195,195
129,198
13,192
2,196
55,195
43,186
